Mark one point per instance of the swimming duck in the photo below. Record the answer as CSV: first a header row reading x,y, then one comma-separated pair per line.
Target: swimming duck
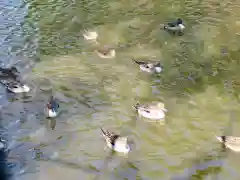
x,y
116,142
106,52
14,85
9,72
151,111
150,67
90,35
231,142
175,26
52,108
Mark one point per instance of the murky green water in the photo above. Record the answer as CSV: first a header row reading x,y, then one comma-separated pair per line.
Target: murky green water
x,y
199,88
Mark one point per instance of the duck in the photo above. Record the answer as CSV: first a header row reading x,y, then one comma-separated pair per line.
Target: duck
x,y
90,35
116,142
231,142
14,85
175,26
106,52
154,110
52,108
150,67
9,72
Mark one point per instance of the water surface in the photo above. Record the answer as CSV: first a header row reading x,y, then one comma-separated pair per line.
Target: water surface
x,y
199,88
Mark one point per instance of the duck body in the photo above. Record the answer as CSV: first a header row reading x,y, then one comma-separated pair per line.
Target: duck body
x,y
90,35
14,85
52,108
115,141
9,77
151,111
150,67
175,26
231,142
106,52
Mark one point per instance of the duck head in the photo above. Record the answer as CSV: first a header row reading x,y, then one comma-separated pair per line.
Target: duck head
x,y
161,106
14,70
52,105
179,21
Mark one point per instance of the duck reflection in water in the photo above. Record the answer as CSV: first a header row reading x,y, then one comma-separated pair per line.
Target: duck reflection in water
x,y
3,159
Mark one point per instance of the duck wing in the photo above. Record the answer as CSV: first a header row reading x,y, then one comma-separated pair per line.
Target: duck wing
x,y
172,24
157,64
139,62
110,136
145,107
233,140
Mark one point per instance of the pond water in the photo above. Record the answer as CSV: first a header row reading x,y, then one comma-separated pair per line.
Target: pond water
x,y
199,86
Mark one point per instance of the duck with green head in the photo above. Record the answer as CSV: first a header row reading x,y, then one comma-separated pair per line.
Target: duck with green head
x,y
52,108
175,27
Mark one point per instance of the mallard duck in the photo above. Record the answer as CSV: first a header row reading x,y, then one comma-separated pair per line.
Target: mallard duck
x,y
14,85
106,52
150,67
115,141
175,26
9,72
151,111
90,35
52,108
231,142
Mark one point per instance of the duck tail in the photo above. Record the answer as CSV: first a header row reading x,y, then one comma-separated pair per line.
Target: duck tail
x,y
136,106
162,26
103,132
138,62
